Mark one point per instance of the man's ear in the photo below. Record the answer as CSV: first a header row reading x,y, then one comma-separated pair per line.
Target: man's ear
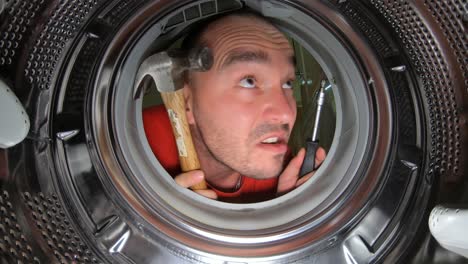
x,y
189,104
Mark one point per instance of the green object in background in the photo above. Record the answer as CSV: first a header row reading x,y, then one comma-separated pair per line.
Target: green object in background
x,y
151,97
308,75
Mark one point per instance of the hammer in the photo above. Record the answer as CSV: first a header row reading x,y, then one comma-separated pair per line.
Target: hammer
x,y
167,71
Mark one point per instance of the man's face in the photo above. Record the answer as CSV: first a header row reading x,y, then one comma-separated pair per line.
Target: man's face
x,y
243,108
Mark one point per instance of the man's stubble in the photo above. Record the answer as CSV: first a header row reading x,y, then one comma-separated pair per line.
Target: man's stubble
x,y
220,146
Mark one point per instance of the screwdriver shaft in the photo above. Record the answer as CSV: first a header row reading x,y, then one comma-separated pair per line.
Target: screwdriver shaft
x,y
320,102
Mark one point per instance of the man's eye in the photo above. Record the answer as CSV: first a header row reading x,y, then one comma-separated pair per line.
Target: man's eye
x,y
247,82
288,85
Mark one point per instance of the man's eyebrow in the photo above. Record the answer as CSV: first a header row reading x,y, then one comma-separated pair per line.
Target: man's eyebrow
x,y
245,56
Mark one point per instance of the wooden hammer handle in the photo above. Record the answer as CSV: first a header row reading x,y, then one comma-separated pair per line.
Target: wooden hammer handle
x,y
175,105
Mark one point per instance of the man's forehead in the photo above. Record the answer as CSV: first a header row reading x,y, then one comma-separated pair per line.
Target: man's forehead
x,y
249,54
245,38
243,28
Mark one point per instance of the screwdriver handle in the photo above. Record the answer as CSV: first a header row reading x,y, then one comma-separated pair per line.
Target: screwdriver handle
x,y
308,165
312,144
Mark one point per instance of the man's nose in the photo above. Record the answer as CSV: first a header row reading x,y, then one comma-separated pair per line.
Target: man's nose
x,y
281,106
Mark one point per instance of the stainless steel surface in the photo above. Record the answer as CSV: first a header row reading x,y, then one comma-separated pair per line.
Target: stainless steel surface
x,y
203,225
320,102
84,187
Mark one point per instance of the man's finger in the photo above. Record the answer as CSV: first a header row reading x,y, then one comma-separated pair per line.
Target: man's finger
x,y
320,156
190,178
208,194
305,178
288,178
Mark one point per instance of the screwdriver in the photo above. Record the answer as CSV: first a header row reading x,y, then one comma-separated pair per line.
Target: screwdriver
x,y
312,143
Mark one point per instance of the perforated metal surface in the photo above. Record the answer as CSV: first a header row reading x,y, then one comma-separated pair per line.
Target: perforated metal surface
x,y
424,48
21,15
449,17
62,25
80,76
452,18
405,113
56,230
13,242
120,10
354,13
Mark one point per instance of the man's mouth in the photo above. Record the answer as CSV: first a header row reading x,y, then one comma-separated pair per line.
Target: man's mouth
x,y
271,140
276,138
274,144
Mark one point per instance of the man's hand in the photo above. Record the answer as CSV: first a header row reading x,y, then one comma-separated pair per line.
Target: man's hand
x,y
289,178
188,179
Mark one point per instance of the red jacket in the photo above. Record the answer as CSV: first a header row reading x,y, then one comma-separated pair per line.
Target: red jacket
x,y
159,134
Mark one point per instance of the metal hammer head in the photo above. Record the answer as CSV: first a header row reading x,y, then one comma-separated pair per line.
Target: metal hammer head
x,y
167,68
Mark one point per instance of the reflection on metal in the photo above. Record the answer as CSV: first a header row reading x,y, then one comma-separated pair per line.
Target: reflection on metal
x,y
410,165
106,222
320,101
115,235
348,256
66,135
270,9
92,35
120,244
400,68
356,250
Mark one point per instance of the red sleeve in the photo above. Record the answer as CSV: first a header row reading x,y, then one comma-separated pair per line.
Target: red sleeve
x,y
256,190
251,191
158,131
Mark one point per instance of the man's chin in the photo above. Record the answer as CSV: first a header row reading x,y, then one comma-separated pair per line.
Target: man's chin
x,y
263,173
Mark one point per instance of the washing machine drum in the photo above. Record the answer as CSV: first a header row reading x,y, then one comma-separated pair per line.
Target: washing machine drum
x,y
84,186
